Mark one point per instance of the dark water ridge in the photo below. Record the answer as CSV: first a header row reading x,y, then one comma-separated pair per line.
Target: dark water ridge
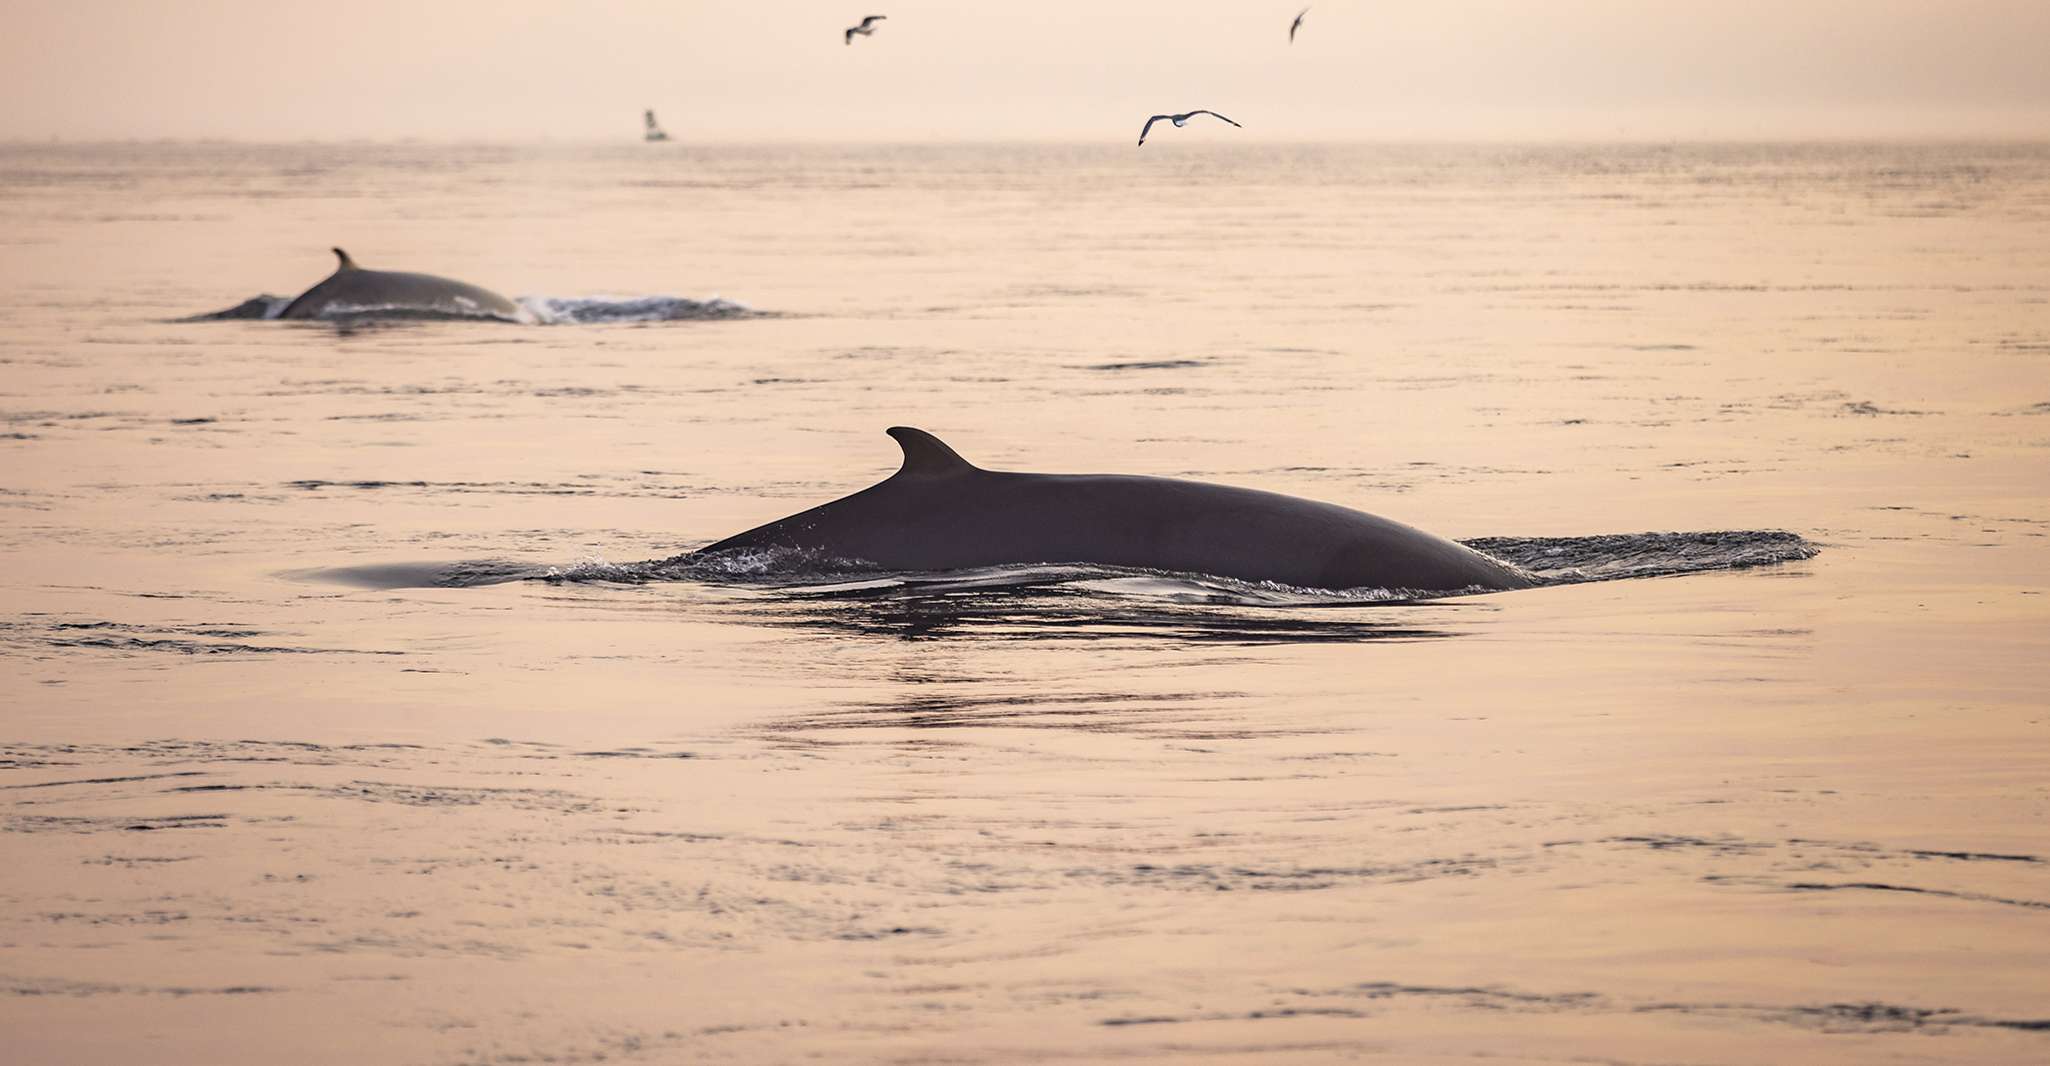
x,y
534,310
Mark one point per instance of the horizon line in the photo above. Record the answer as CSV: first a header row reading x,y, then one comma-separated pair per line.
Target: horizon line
x,y
1624,139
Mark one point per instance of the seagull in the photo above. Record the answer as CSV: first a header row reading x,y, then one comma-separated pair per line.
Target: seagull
x,y
868,26
1297,24
1178,120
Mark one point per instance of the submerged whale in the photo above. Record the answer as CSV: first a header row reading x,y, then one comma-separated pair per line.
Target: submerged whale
x,y
941,512
353,289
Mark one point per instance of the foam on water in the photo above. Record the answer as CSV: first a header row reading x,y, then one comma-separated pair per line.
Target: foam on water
x,y
1608,557
571,310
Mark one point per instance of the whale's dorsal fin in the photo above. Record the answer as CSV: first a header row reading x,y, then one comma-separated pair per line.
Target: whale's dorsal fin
x,y
926,455
347,263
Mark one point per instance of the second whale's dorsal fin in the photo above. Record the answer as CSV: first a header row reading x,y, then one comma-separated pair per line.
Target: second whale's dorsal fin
x,y
926,455
346,264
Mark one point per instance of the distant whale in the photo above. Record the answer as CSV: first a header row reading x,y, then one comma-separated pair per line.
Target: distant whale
x,y
940,512
353,289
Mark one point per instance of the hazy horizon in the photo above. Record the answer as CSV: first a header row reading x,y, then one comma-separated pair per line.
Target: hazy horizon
x,y
1477,141
1579,70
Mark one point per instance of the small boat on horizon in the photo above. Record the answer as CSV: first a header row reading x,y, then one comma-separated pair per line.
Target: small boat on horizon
x,y
654,130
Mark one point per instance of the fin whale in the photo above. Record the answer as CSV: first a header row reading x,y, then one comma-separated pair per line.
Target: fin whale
x,y
941,512
352,288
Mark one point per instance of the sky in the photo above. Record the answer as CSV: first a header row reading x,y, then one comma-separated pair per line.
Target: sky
x,y
1041,69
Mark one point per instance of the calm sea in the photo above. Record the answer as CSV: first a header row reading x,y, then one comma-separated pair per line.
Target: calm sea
x,y
262,805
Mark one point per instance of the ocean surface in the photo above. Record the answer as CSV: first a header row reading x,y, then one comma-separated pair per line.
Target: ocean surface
x,y
362,702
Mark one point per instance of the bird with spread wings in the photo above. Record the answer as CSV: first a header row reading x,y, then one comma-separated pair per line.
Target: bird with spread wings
x,y
868,26
1178,120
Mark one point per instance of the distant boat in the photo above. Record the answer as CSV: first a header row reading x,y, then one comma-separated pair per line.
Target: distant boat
x,y
654,131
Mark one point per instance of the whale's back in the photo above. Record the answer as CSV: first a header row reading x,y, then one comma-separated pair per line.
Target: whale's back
x,y
352,289
941,515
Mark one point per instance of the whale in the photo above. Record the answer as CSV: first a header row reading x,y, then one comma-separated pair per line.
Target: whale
x,y
941,512
352,289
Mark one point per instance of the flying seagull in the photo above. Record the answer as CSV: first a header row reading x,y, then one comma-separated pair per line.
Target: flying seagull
x,y
868,26
1178,120
1297,24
